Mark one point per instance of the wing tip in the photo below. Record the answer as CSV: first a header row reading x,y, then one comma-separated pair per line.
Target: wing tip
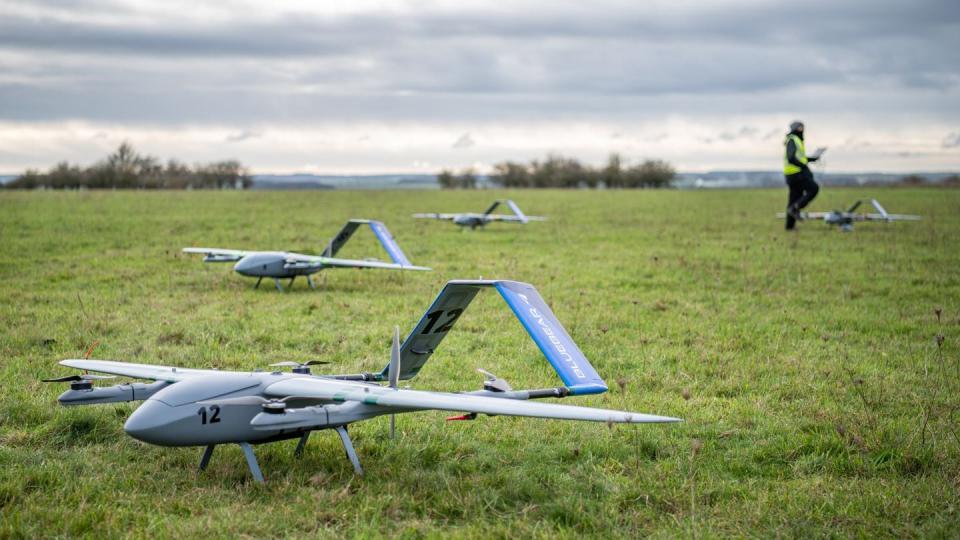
x,y
651,419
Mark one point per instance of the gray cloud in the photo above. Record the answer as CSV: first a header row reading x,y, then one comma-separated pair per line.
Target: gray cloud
x,y
743,133
618,49
952,140
232,65
243,136
465,141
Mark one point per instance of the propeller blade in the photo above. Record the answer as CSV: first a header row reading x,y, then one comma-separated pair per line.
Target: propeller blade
x,y
492,382
394,374
288,363
395,358
84,377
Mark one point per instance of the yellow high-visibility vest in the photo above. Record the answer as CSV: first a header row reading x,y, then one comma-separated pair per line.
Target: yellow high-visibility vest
x,y
801,155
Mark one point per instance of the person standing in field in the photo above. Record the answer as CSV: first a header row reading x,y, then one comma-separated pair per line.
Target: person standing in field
x,y
800,180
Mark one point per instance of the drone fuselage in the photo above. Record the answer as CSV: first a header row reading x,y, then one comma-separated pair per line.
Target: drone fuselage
x,y
270,264
471,220
839,218
188,413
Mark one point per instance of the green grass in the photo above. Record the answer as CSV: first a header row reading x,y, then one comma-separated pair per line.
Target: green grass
x,y
816,400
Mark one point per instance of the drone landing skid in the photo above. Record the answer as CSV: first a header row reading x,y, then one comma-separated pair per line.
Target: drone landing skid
x,y
279,286
298,452
348,447
247,452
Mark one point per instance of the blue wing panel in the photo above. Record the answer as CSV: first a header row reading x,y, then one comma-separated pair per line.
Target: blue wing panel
x,y
547,332
389,244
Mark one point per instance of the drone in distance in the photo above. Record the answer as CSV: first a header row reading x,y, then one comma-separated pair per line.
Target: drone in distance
x,y
481,220
279,265
846,218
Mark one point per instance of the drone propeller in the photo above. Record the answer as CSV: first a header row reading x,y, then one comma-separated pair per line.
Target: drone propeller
x,y
271,406
294,364
394,375
302,368
79,382
492,383
76,378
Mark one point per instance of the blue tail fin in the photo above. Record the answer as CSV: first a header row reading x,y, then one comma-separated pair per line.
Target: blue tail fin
x,y
389,244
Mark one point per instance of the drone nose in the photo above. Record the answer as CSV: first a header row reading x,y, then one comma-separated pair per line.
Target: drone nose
x,y
148,421
245,266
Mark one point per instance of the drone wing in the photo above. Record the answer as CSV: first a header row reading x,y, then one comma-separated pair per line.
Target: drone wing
x,y
515,219
218,255
299,261
891,217
138,371
409,400
447,217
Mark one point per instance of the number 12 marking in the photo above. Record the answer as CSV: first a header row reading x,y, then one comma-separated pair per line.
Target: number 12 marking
x,y
214,415
434,316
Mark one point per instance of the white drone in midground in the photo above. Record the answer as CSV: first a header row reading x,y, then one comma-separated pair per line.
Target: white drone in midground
x,y
205,407
285,265
473,220
846,219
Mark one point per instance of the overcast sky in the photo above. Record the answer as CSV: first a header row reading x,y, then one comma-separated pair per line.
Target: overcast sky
x,y
413,86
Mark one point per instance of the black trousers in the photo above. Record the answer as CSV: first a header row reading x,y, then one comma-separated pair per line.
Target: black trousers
x,y
802,190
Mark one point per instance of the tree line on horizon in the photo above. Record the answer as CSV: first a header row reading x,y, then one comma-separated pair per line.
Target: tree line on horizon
x,y
561,172
127,169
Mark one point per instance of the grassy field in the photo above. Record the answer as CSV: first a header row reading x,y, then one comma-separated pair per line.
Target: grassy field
x,y
816,399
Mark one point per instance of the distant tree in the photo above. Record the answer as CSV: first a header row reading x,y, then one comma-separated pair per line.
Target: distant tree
x,y
612,174
510,175
467,179
446,179
65,176
126,169
560,172
31,179
221,175
913,180
951,181
650,173
177,175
